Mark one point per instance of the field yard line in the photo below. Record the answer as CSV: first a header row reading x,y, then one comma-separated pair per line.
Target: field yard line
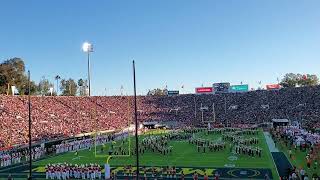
x,y
274,163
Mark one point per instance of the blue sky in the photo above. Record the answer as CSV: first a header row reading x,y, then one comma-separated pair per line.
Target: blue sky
x,y
174,42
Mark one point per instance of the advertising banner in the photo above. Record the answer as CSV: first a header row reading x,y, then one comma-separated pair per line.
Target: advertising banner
x,y
273,86
201,90
172,93
239,88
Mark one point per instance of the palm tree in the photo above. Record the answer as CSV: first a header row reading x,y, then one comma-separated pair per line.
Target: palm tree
x,y
81,88
57,78
80,82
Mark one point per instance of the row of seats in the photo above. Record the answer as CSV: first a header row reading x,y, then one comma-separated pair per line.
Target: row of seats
x,y
63,116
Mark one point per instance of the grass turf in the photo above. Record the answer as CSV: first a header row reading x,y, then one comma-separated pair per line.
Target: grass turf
x,y
299,159
183,154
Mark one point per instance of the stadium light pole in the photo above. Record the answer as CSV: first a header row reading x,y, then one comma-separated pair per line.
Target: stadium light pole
x,y
135,117
88,48
214,112
195,108
225,105
29,109
201,112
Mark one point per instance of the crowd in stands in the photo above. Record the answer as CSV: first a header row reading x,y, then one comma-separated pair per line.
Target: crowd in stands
x,y
299,141
60,117
300,137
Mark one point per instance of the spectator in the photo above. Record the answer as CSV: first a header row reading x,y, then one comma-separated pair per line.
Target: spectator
x,y
63,117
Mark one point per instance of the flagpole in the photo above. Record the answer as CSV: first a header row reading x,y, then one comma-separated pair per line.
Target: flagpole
x,y
195,108
29,111
135,117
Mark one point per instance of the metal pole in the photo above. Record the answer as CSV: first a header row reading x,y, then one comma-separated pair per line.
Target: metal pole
x,y
214,113
57,86
29,109
135,117
89,73
201,112
202,115
225,105
195,109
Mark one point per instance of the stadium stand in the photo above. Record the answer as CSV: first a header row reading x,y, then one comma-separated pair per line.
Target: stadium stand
x,y
57,116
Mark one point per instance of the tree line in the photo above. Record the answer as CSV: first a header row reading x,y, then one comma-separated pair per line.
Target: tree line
x,y
13,73
299,80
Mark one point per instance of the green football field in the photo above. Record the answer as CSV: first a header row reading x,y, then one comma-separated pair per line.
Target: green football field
x,y
183,155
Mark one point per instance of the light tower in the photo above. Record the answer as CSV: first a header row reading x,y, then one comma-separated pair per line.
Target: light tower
x,y
88,48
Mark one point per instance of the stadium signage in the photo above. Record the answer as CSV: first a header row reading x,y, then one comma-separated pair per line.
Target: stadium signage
x,y
225,172
221,87
239,88
172,93
273,86
202,90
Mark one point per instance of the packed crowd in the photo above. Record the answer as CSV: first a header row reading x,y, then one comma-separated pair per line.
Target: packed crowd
x,y
300,136
65,171
60,117
299,142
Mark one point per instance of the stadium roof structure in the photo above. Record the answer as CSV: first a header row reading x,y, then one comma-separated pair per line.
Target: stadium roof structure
x,y
280,120
150,123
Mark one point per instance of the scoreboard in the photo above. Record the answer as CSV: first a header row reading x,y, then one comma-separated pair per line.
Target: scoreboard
x,y
221,87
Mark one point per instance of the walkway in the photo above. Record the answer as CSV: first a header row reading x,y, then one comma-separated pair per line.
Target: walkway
x,y
271,145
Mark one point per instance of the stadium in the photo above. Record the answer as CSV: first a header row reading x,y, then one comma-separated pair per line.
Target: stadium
x,y
230,135
159,90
